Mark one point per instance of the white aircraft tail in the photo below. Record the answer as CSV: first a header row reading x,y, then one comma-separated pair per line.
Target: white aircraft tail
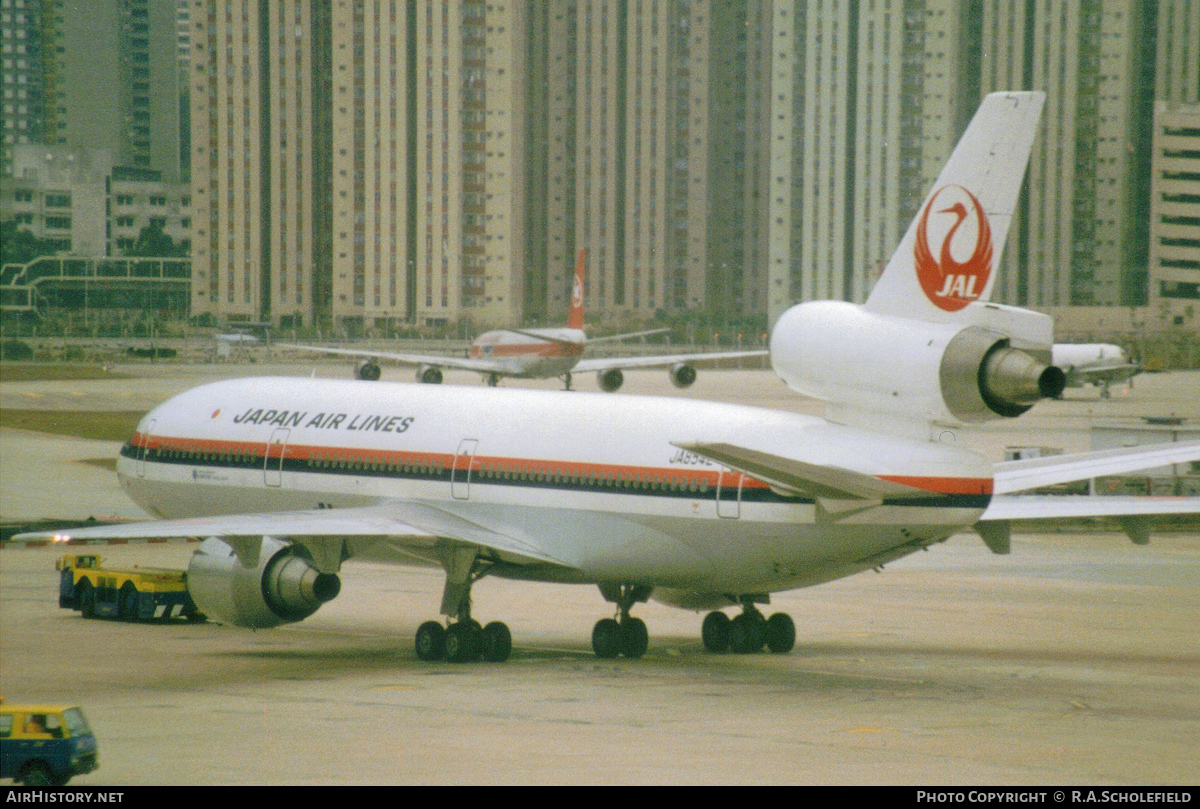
x,y
927,348
947,259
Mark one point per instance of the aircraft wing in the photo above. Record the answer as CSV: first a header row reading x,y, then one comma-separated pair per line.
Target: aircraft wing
x,y
416,528
483,366
1015,476
608,363
801,478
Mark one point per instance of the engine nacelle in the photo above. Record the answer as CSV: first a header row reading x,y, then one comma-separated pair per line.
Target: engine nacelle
x,y
970,369
368,370
280,586
682,374
429,374
610,380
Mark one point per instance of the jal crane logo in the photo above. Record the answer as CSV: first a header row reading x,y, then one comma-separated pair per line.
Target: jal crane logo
x,y
577,293
951,284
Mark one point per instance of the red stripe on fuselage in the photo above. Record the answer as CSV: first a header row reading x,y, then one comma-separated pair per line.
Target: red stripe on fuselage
x,y
536,466
546,349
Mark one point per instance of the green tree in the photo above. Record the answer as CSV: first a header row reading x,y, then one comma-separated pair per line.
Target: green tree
x,y
19,246
153,243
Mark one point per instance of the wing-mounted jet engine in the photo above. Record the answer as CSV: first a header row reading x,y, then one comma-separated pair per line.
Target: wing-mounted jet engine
x,y
368,370
261,584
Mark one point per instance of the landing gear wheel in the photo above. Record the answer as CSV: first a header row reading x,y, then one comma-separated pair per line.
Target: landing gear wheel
x,y
431,641
606,638
87,601
496,642
781,633
746,635
634,638
129,603
493,380
463,642
715,632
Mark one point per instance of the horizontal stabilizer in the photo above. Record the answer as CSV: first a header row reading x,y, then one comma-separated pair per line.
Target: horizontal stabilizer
x,y
1135,515
1015,476
802,478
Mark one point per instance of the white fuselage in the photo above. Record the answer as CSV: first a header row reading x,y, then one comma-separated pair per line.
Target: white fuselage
x,y
593,480
524,355
1085,363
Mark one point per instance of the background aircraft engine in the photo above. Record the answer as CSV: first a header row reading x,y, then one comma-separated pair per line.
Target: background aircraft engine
x,y
429,374
610,380
279,586
682,375
368,370
970,369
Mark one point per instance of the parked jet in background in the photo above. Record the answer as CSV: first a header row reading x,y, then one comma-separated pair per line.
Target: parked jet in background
x,y
700,505
539,354
1099,364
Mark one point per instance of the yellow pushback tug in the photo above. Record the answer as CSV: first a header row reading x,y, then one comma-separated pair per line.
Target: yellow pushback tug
x,y
135,594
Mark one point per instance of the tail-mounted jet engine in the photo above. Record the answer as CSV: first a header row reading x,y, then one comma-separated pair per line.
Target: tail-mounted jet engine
x,y
429,374
993,362
368,370
682,375
610,380
276,586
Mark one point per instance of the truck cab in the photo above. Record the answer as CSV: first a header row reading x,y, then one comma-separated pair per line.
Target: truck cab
x,y
45,745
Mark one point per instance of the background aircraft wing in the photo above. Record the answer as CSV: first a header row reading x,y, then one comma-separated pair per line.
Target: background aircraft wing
x,y
418,529
607,363
1100,373
462,363
1015,476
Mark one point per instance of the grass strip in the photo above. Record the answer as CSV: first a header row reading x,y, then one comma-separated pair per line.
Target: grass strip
x,y
101,425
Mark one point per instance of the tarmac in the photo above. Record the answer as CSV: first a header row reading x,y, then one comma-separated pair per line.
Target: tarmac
x,y
1074,660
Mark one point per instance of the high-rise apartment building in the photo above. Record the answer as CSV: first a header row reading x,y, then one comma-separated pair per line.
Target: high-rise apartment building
x,y
22,50
867,99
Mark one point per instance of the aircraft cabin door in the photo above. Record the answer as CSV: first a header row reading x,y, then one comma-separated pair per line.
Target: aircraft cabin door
x,y
273,464
141,453
729,494
460,475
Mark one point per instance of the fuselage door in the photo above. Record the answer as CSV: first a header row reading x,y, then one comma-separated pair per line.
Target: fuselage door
x,y
141,453
273,464
460,476
729,494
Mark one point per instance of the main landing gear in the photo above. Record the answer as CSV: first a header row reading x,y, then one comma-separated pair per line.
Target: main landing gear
x,y
566,378
464,640
749,632
623,635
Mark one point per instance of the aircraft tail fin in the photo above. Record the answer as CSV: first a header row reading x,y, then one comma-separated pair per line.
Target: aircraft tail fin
x,y
575,315
947,258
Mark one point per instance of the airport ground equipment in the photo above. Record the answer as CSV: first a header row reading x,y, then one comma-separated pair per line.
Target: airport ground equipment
x,y
133,594
45,745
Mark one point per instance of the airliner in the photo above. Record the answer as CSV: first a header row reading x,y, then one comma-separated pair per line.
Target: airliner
x,y
705,506
1100,364
539,354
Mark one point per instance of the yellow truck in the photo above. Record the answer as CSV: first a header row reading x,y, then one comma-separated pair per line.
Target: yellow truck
x,y
133,594
45,745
